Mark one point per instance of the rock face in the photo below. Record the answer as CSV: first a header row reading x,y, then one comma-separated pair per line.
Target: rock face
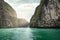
x,y
8,17
47,14
22,23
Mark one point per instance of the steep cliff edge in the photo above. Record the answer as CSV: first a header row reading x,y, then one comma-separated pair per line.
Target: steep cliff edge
x,y
8,17
47,14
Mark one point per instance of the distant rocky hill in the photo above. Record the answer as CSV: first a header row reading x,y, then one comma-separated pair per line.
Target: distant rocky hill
x,y
22,23
47,14
8,16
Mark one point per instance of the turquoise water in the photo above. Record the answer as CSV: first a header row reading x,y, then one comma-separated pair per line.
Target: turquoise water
x,y
29,34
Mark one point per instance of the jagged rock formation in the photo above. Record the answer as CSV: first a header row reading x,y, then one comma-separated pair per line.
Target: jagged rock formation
x,y
8,17
47,14
22,23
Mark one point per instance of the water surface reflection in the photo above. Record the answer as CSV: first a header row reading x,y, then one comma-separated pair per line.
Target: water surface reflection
x,y
29,34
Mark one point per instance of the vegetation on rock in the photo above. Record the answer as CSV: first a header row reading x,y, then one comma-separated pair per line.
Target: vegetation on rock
x,y
47,14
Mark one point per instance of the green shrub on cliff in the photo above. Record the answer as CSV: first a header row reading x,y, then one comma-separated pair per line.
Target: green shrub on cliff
x,y
35,17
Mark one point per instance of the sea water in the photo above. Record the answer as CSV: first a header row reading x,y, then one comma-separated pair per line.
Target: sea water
x,y
29,34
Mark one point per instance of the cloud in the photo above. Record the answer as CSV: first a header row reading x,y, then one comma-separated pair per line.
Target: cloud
x,y
23,1
25,10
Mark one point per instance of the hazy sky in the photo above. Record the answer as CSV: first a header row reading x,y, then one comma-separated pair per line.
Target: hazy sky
x,y
24,8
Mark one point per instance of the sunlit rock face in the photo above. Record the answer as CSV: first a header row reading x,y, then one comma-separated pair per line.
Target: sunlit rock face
x,y
23,23
47,14
8,17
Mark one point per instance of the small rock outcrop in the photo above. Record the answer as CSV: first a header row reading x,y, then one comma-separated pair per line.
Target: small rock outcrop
x,y
47,14
8,17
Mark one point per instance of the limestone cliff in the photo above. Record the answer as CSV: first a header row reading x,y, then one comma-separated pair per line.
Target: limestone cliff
x,y
8,17
47,14
22,23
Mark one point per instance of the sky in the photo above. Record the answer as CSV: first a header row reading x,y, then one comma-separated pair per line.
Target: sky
x,y
24,8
